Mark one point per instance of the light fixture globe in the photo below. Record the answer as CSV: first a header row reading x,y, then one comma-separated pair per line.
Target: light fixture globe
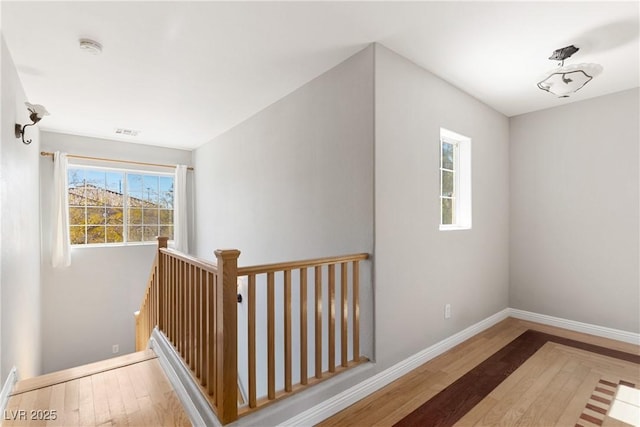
x,y
569,79
37,111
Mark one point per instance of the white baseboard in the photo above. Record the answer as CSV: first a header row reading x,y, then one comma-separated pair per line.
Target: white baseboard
x,y
572,325
12,379
195,404
350,396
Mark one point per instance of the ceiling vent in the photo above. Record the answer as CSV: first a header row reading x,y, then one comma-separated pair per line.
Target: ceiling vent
x,y
127,132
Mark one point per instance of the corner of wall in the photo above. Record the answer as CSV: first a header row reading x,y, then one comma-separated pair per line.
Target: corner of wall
x,y
20,230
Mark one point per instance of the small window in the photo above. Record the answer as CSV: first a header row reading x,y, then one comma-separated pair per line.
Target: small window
x,y
111,206
455,181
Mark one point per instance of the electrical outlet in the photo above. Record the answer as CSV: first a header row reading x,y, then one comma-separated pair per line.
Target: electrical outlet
x,y
447,311
115,349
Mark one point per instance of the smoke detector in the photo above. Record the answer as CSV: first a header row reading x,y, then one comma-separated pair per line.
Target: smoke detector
x,y
90,46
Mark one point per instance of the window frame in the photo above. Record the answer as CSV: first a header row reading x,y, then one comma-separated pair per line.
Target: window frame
x,y
125,205
461,194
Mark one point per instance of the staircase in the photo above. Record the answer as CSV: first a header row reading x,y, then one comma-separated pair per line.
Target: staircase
x,y
189,316
130,390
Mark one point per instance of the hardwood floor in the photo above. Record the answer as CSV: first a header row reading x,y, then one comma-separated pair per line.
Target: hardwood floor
x,y
559,382
558,385
128,391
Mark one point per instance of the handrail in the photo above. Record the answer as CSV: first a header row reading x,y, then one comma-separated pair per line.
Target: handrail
x,y
197,262
294,265
194,303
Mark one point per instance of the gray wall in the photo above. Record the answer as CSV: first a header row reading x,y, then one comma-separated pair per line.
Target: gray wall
x,y
418,268
20,235
89,306
574,211
295,181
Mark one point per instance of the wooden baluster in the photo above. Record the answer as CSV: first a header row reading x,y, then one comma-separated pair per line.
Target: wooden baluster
x,y
303,326
149,303
176,303
187,314
356,311
162,281
251,307
178,342
179,306
227,335
203,327
211,334
172,298
192,338
287,331
142,327
183,307
176,319
332,317
154,289
196,321
146,322
169,280
154,299
189,317
156,285
344,306
139,332
271,337
318,296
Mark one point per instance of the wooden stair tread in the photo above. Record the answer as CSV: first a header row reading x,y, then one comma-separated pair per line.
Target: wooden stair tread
x,y
65,375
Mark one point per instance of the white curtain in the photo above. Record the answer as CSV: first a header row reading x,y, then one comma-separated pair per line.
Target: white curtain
x,y
61,246
180,222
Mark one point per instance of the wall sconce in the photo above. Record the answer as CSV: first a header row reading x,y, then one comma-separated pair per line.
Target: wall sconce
x,y
37,113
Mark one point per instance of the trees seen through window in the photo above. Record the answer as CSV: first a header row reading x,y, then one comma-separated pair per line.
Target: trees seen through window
x,y
114,206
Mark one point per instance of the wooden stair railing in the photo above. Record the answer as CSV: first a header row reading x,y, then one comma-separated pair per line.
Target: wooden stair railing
x,y
342,320
194,303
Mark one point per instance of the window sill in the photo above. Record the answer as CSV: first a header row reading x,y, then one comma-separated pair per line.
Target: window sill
x,y
115,245
454,227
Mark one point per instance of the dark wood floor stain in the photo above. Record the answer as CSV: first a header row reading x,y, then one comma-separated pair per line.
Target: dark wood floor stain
x,y
452,403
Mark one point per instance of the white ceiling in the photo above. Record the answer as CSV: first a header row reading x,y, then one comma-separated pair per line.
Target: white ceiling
x,y
185,72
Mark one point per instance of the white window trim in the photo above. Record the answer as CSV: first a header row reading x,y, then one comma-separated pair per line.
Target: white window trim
x,y
462,180
92,165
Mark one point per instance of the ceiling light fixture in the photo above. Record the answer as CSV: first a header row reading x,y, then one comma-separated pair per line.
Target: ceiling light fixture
x,y
568,79
37,113
90,46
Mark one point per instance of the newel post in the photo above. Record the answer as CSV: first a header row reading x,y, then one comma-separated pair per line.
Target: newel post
x,y
162,301
227,335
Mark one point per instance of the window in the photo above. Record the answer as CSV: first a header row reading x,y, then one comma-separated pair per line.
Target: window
x,y
112,206
455,181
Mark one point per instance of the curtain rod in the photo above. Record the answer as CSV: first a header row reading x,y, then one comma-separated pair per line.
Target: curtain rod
x,y
46,153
